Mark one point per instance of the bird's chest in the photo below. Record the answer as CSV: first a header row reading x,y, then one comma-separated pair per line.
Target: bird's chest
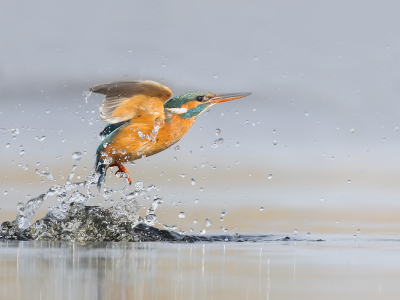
x,y
172,131
140,139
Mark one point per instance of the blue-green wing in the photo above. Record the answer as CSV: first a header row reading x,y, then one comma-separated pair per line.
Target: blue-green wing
x,y
110,128
109,133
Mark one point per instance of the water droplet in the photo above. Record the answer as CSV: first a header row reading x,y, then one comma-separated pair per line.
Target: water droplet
x,y
217,131
182,175
261,208
352,130
255,58
306,114
195,221
237,144
215,76
47,111
108,160
193,181
295,232
176,148
247,122
201,189
270,176
77,156
349,181
122,151
217,142
141,135
274,143
358,231
208,223
8,145
15,131
22,153
5,192
20,206
396,128
182,215
130,50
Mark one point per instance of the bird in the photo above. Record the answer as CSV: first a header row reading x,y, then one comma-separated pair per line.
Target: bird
x,y
144,120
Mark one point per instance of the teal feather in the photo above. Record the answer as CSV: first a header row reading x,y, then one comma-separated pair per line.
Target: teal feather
x,y
110,131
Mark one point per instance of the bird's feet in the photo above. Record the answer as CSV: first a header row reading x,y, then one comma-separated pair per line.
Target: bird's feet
x,y
122,169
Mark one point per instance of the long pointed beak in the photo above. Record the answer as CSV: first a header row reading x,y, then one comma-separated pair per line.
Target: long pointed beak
x,y
228,97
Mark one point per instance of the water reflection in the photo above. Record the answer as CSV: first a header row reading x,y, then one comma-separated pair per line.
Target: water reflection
x,y
274,270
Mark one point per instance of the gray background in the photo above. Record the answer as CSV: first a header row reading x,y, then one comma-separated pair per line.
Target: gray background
x,y
324,76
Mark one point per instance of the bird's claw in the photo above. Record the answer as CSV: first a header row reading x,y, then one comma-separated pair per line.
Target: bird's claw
x,y
129,177
122,169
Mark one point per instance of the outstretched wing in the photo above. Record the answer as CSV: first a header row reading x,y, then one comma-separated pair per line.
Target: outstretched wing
x,y
127,99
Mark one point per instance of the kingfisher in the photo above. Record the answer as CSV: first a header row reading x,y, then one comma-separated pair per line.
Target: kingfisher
x,y
144,120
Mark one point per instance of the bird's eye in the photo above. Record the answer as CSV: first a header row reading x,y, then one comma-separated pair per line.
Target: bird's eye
x,y
200,98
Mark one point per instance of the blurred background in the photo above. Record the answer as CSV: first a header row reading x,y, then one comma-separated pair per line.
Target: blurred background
x,y
316,145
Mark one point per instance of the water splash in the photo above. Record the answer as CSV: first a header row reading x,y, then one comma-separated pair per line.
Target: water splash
x,y
73,220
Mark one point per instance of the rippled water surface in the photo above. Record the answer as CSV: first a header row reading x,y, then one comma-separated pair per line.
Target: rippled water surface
x,y
336,268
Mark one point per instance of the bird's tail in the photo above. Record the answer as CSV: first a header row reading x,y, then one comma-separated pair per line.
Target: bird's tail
x,y
100,171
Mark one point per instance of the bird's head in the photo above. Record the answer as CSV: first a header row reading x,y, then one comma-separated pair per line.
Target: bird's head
x,y
190,105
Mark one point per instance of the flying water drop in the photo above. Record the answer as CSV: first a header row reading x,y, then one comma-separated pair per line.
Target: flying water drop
x,y
77,156
40,139
22,152
217,142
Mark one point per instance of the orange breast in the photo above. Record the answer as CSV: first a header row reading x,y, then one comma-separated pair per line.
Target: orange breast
x,y
145,136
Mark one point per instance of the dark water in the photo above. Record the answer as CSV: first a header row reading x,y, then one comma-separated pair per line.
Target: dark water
x,y
98,224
